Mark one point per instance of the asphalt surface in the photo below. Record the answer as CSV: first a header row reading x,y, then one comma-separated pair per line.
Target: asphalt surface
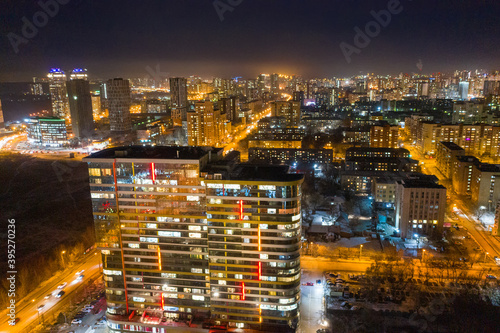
x,y
26,309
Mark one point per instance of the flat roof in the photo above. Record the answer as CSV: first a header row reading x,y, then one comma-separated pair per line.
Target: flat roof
x,y
420,183
156,152
451,145
255,172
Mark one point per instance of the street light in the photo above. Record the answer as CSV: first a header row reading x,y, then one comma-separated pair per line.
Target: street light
x,y
485,254
423,255
360,250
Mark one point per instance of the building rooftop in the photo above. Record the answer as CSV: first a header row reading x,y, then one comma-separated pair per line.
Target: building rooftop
x,y
468,159
372,149
451,145
420,183
253,172
484,167
156,152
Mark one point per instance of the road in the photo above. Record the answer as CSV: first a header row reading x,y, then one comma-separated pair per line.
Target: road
x,y
27,310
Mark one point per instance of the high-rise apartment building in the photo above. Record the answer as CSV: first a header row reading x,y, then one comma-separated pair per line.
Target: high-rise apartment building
x,y
290,110
183,234
80,106
446,153
206,126
58,93
420,207
485,186
178,98
461,179
384,136
118,102
463,90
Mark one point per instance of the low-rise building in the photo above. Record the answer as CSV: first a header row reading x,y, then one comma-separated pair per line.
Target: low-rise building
x,y
47,131
290,156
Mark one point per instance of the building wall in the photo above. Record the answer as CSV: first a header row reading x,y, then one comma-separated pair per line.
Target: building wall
x,y
416,211
118,100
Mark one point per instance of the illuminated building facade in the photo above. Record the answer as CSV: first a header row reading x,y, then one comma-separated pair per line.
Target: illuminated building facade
x,y
290,156
179,239
2,121
254,224
290,110
446,153
178,98
420,207
206,125
47,131
58,93
385,136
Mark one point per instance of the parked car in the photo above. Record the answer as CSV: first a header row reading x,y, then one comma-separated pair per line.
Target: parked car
x,y
48,296
491,277
76,321
60,294
40,307
62,285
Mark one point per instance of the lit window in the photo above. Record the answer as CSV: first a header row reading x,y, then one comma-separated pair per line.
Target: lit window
x,y
194,235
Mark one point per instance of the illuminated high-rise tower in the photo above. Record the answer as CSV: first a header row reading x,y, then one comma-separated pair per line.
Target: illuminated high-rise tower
x,y
183,233
178,98
79,73
58,93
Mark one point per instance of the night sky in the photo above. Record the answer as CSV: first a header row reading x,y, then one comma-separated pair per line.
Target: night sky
x,y
186,37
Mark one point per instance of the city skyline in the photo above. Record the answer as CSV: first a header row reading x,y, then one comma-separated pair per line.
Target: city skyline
x,y
307,40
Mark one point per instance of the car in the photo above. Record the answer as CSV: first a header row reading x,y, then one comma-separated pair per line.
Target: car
x,y
318,281
62,285
80,272
40,307
60,294
47,296
477,249
80,278
76,321
491,277
309,284
16,320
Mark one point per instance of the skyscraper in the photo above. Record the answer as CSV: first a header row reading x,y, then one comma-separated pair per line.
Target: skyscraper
x,y
79,73
58,93
178,97
118,103
290,110
80,106
206,236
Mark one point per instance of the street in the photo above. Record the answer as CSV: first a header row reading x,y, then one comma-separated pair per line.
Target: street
x,y
27,308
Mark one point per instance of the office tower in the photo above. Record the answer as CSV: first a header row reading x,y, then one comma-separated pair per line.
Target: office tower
x,y
290,110
58,93
206,126
206,237
275,86
2,121
420,207
384,136
463,90
178,97
47,131
80,106
118,102
79,74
